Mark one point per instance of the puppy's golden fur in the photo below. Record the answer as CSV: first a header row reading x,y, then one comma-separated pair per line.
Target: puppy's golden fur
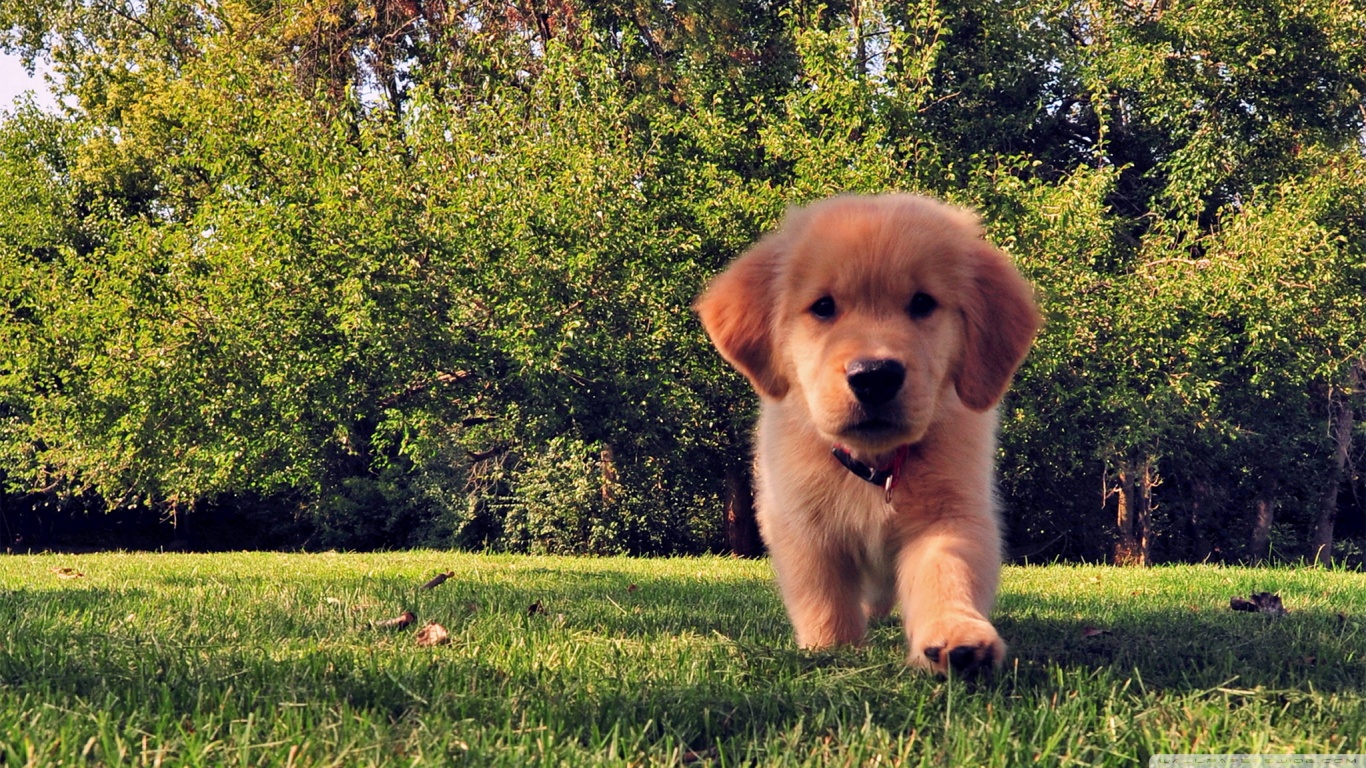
x,y
888,283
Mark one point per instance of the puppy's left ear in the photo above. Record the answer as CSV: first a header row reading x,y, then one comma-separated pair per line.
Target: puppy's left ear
x,y
1000,320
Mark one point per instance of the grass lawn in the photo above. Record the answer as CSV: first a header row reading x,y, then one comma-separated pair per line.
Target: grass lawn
x,y
273,659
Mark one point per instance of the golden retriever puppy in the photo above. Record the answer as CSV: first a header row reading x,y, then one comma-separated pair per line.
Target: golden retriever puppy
x,y
880,332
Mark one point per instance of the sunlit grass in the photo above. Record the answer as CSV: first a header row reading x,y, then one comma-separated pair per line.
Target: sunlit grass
x,y
272,659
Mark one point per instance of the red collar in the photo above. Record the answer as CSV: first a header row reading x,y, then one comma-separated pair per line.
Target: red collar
x,y
887,475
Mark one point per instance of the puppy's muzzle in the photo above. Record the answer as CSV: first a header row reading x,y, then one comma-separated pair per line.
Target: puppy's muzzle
x,y
874,382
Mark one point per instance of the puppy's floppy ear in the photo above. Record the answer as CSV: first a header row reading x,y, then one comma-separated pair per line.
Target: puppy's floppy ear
x,y
1000,320
737,312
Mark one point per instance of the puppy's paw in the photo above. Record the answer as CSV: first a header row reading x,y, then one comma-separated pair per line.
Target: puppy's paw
x,y
877,610
967,647
830,630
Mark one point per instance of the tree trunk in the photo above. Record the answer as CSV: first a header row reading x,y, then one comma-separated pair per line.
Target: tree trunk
x,y
1265,508
10,538
1134,519
742,530
1340,422
1143,521
1200,550
1127,544
608,464
860,44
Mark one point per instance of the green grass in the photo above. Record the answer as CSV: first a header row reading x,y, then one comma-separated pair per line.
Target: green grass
x,y
271,659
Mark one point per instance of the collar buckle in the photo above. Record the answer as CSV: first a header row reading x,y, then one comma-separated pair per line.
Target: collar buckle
x,y
887,476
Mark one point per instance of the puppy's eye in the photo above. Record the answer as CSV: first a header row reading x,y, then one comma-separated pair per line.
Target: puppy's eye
x,y
824,308
922,304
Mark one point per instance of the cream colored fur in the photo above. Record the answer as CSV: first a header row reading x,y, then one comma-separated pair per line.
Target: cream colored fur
x,y
842,554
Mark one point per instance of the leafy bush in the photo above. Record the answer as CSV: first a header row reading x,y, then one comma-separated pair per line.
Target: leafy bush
x,y
390,276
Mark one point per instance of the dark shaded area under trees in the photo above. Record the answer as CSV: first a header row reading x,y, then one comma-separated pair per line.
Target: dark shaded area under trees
x,y
356,274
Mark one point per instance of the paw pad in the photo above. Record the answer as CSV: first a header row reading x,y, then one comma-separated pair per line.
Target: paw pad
x,y
965,660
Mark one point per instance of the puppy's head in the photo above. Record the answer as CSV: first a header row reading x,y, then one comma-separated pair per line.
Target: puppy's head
x,y
872,310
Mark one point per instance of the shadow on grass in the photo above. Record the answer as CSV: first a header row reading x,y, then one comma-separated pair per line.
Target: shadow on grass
x,y
752,680
1159,647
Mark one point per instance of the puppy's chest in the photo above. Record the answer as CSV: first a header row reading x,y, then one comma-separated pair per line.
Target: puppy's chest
x,y
846,506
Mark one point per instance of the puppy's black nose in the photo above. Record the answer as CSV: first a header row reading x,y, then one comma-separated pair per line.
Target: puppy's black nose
x,y
874,382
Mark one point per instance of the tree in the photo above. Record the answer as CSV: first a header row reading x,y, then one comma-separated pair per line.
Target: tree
x,y
416,273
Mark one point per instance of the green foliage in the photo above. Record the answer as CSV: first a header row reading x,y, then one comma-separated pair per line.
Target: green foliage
x,y
427,276
562,503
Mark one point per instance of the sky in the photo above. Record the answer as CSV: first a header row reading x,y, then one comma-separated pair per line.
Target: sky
x,y
14,81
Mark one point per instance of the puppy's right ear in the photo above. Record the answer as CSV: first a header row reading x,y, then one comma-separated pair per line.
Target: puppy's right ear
x,y
737,311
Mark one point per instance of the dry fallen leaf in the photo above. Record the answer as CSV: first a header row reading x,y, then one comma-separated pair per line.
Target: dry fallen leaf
x,y
438,580
697,756
632,588
433,634
1261,602
1093,632
68,573
399,622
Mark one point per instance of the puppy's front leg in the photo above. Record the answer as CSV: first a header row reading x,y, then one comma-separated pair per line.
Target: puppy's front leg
x,y
821,590
948,572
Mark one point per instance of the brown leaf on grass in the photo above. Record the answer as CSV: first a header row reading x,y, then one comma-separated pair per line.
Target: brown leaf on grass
x,y
632,588
402,621
1261,602
535,608
1094,632
432,634
697,756
68,573
438,580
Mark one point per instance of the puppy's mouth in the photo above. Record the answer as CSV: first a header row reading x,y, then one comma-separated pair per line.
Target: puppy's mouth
x,y
874,433
875,427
